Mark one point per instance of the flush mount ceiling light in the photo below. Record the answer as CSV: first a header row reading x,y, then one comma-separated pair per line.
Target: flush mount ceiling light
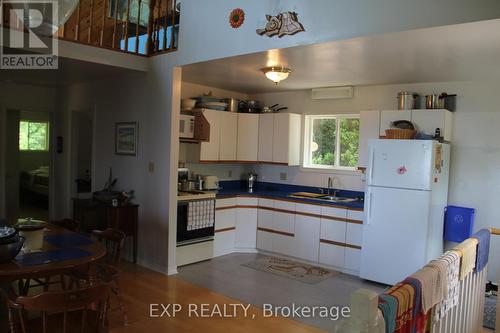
x,y
276,74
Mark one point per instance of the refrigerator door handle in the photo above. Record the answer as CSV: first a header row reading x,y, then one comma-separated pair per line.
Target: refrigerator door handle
x,y
369,207
370,167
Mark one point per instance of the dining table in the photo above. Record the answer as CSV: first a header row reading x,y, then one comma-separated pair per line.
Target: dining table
x,y
62,251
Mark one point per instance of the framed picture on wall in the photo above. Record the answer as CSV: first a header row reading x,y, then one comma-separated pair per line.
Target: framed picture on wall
x,y
126,138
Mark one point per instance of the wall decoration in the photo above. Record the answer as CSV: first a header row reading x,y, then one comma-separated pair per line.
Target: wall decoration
x,y
236,18
126,138
285,23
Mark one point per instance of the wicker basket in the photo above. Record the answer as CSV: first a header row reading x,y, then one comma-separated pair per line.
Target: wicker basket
x,y
397,133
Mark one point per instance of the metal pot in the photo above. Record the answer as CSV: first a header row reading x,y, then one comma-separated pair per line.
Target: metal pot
x,y
406,100
232,104
432,101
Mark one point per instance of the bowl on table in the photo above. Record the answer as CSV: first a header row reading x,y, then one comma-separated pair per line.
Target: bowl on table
x,y
10,247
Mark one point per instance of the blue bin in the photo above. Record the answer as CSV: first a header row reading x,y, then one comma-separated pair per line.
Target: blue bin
x,y
458,223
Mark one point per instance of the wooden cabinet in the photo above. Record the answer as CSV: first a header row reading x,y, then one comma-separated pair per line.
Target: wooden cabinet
x,y
387,117
427,121
248,137
228,136
369,124
286,138
209,151
266,135
246,224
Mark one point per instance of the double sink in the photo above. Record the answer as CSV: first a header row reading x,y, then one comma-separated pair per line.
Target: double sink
x,y
321,197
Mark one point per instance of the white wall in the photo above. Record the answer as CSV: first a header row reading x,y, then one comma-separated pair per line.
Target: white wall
x,y
205,32
475,162
29,98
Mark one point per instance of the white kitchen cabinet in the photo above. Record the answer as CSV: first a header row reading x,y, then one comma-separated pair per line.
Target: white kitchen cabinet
x,y
332,255
369,127
265,240
352,260
333,230
209,151
286,138
225,223
306,240
246,224
427,121
388,116
283,244
228,136
248,137
266,134
354,234
224,242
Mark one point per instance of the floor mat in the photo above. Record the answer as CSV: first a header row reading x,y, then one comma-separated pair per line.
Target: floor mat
x,y
490,308
291,269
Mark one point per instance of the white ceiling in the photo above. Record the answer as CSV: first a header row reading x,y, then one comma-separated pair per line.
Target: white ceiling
x,y
450,53
69,71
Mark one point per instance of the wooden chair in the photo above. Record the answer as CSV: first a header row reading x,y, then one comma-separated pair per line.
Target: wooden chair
x,y
108,269
82,310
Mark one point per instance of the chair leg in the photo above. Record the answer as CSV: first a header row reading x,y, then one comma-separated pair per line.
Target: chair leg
x,y
118,294
11,322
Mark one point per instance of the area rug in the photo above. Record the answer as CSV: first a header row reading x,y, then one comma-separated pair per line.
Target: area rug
x,y
490,308
291,269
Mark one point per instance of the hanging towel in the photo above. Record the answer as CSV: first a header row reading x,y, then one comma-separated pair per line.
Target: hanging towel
x,y
432,288
442,268
467,251
405,295
452,261
389,307
483,248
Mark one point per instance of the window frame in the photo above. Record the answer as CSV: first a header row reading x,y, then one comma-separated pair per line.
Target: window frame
x,y
47,135
307,153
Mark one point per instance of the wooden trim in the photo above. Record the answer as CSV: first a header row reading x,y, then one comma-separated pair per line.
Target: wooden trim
x,y
354,221
137,28
115,23
91,22
126,25
225,229
225,207
356,209
495,231
77,27
276,232
352,246
103,20
333,218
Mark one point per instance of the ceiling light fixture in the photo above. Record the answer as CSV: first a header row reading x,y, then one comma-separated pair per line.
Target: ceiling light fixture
x,y
276,74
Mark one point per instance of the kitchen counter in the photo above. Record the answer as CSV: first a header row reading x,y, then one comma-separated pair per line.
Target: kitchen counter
x,y
236,188
195,195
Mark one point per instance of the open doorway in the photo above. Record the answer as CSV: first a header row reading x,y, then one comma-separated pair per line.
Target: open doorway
x,y
82,134
28,164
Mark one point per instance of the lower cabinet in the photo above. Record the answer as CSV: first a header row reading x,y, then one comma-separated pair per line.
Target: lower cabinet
x,y
265,240
306,240
283,244
332,255
224,242
352,260
246,224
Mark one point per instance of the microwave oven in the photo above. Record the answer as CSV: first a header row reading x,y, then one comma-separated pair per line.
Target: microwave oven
x,y
186,126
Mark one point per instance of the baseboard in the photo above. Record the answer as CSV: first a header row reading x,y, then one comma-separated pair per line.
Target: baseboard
x,y
152,266
245,250
172,271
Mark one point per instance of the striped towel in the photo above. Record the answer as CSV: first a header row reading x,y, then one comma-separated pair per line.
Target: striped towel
x,y
467,251
389,306
432,287
452,261
483,248
405,295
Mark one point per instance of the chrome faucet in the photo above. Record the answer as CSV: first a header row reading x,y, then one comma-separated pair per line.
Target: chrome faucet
x,y
330,184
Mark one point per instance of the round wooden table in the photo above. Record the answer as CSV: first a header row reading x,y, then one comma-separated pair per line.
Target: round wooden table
x,y
11,271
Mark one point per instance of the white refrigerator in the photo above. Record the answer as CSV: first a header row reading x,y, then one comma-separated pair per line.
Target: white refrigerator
x,y
406,193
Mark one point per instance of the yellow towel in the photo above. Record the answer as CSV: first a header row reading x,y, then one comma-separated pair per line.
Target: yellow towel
x,y
467,250
432,287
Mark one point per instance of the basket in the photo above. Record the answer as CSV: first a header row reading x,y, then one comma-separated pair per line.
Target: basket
x,y
398,133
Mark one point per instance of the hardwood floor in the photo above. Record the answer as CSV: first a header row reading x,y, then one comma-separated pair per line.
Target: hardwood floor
x,y
142,287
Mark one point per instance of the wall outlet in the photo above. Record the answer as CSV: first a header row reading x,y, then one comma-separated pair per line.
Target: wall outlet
x,y
151,167
230,173
283,176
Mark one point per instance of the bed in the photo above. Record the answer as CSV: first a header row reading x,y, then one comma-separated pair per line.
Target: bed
x,y
36,181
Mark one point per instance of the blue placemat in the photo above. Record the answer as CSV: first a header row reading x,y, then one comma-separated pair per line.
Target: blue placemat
x,y
41,258
68,240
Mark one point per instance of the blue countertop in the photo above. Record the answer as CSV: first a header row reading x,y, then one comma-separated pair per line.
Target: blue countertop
x,y
282,191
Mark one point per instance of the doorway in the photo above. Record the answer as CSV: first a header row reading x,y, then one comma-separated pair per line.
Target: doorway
x,y
82,148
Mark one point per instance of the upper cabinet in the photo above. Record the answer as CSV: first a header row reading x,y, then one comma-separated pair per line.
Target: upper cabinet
x,y
228,136
279,138
248,137
373,124
209,151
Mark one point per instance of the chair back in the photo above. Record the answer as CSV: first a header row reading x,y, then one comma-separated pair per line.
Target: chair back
x,y
114,240
52,303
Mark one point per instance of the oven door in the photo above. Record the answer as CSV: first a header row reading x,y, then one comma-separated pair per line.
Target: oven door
x,y
195,221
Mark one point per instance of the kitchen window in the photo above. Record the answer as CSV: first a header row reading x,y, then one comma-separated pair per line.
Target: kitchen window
x,y
34,135
331,142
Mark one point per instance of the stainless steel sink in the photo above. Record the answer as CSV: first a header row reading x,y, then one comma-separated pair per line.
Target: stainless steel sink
x,y
329,198
336,199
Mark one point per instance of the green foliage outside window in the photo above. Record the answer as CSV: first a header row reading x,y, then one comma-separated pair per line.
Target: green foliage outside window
x,y
324,141
33,135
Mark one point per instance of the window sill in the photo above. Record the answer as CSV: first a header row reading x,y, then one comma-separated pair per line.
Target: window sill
x,y
339,171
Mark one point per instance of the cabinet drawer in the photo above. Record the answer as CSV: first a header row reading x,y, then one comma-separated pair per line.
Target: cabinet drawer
x,y
265,218
266,203
355,215
264,240
308,209
333,230
354,234
282,244
352,259
225,218
334,212
332,255
245,201
284,205
228,202
284,222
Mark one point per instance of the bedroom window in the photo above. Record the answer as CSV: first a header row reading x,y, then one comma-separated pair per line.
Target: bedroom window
x,y
331,142
34,135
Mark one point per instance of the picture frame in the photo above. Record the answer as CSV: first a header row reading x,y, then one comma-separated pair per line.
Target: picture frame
x,y
126,138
